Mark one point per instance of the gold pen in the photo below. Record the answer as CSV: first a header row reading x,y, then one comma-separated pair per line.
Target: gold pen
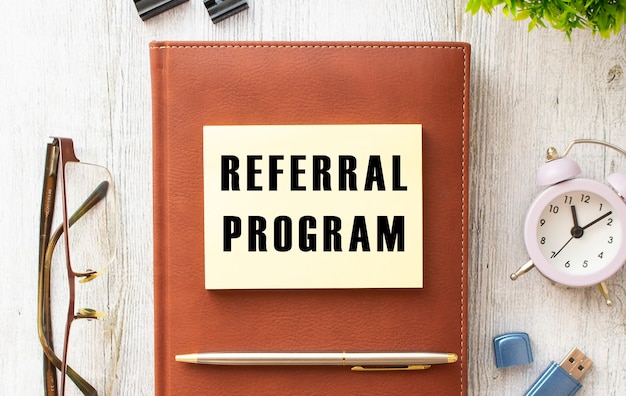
x,y
360,361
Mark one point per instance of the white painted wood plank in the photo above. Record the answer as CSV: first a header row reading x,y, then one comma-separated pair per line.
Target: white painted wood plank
x,y
81,69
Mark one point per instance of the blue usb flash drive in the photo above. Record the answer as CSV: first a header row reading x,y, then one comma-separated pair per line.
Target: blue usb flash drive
x,y
561,379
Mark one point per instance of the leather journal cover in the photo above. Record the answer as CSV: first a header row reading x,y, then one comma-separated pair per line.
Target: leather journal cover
x,y
195,84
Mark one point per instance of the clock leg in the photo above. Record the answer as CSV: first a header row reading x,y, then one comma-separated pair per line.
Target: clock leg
x,y
605,293
523,269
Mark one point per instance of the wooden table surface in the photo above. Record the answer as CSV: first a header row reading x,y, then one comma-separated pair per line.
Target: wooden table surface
x,y
81,69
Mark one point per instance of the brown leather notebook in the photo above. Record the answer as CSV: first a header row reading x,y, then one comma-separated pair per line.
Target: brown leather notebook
x,y
265,83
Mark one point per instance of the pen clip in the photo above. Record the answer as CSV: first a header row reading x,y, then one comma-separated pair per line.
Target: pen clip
x,y
411,367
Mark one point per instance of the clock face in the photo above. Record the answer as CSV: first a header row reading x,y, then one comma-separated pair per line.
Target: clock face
x,y
575,232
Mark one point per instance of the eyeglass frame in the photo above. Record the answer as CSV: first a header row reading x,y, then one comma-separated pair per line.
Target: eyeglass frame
x,y
60,150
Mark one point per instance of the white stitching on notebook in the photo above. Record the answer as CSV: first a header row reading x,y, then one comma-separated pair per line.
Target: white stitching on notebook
x,y
296,46
463,208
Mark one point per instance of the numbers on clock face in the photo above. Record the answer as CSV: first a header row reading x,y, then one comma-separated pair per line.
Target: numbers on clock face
x,y
578,232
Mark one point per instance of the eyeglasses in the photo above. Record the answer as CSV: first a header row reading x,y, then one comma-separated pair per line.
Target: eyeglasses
x,y
90,231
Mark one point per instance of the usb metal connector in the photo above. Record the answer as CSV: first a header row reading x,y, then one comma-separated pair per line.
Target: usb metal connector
x,y
561,379
576,364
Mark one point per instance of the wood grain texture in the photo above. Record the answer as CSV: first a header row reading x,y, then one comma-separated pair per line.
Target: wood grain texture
x,y
80,69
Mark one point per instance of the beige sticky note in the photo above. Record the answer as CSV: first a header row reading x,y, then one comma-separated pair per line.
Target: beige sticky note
x,y
313,206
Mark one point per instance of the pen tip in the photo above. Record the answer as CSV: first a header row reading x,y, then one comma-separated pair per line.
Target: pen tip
x,y
452,357
192,358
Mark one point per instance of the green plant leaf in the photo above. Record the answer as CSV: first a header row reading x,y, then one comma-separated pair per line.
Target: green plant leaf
x,y
605,17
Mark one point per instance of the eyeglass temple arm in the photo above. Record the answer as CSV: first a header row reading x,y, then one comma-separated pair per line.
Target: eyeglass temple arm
x,y
45,224
96,196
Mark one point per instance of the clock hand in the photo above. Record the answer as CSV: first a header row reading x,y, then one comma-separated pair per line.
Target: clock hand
x,y
563,247
598,219
577,231
574,216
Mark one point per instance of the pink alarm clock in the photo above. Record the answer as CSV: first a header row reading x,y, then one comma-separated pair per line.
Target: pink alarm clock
x,y
575,230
